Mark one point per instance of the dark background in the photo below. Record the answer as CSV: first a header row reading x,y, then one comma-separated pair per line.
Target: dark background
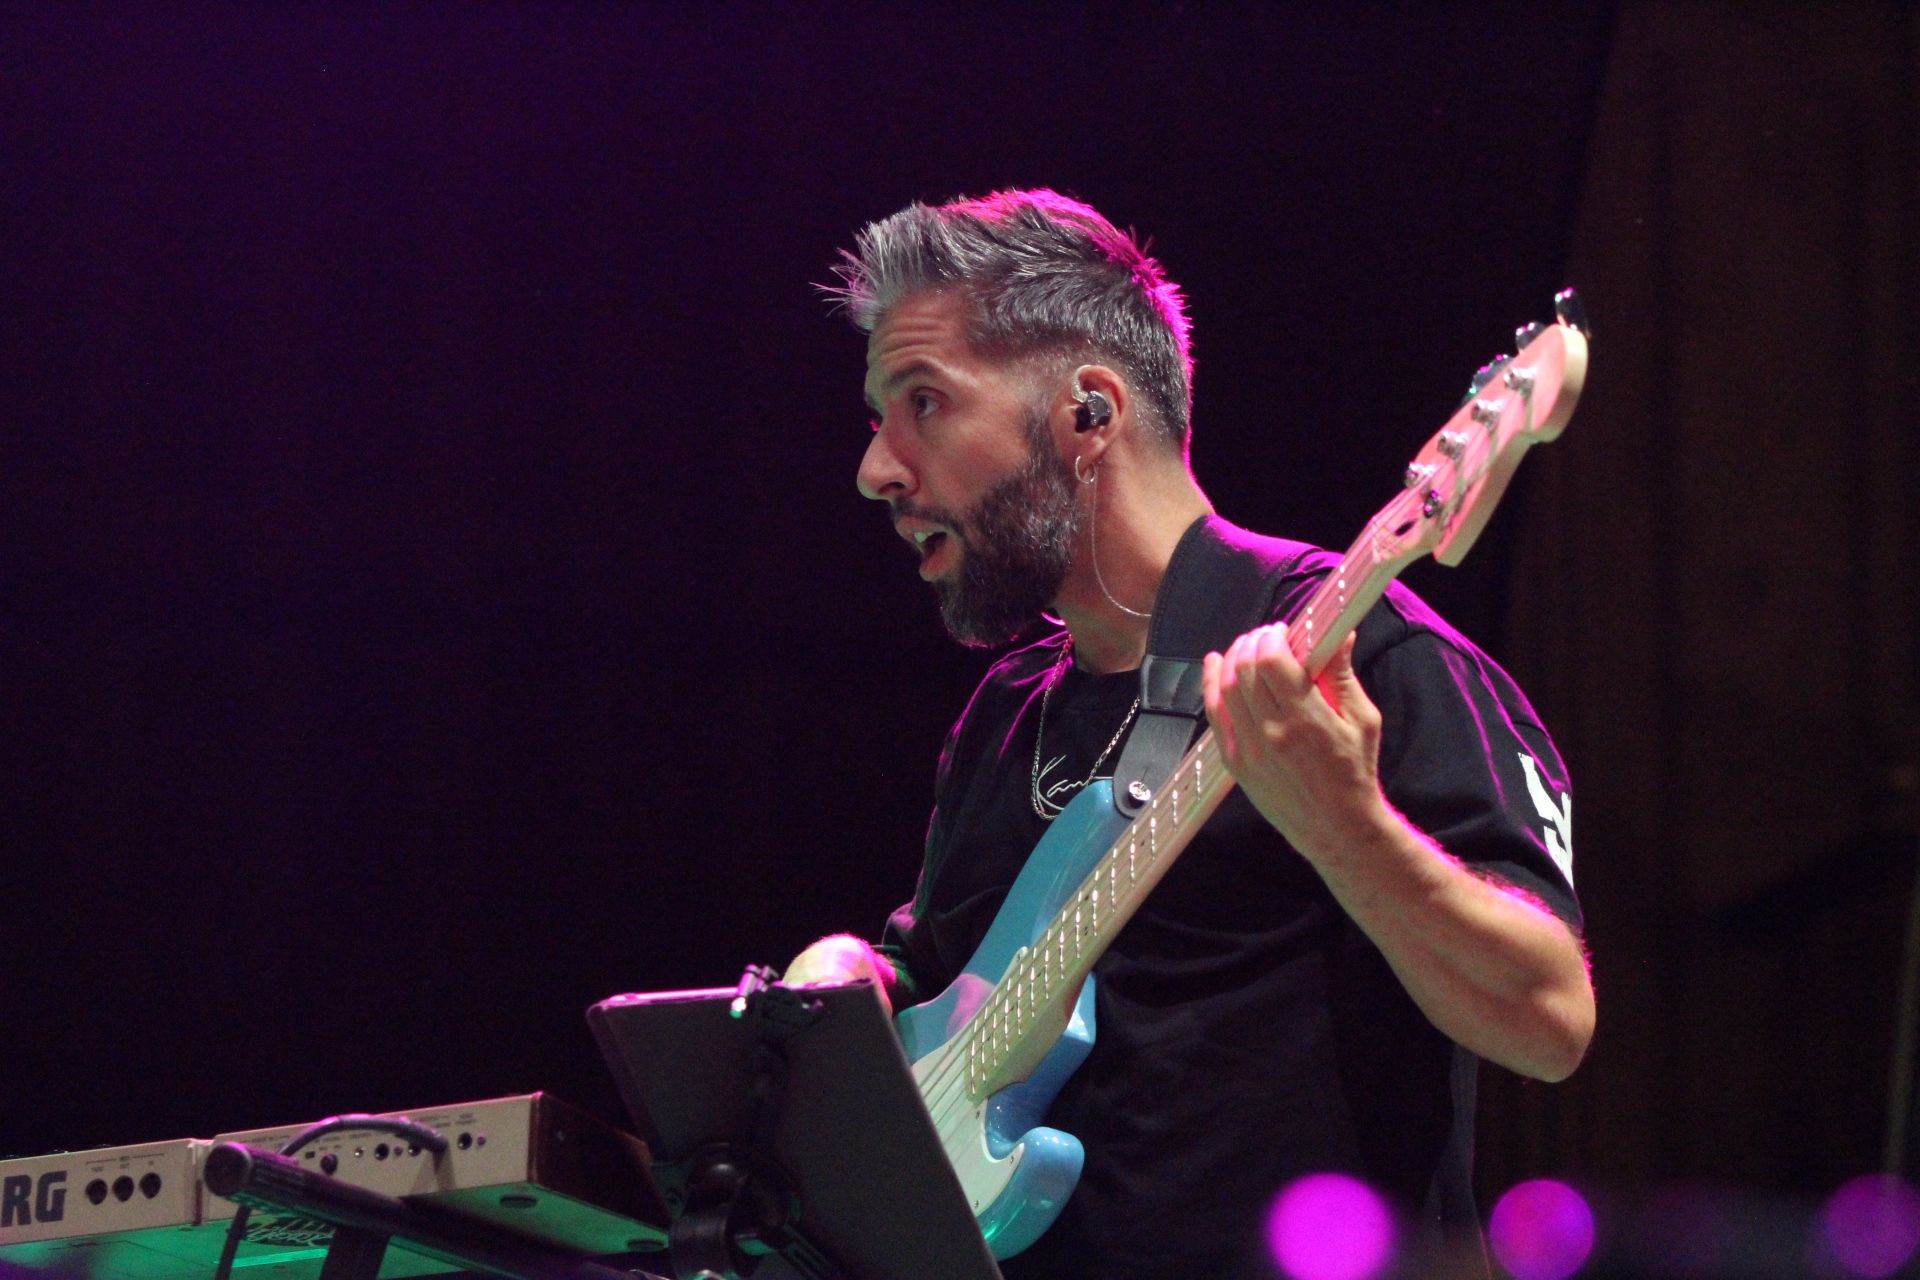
x,y
436,597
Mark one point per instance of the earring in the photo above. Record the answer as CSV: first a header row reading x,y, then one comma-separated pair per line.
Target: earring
x,y
1090,476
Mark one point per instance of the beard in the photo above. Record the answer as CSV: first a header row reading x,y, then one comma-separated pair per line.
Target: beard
x,y
1017,545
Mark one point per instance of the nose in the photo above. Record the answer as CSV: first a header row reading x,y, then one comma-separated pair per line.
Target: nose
x,y
883,473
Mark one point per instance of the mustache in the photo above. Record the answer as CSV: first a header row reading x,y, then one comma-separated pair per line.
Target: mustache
x,y
905,509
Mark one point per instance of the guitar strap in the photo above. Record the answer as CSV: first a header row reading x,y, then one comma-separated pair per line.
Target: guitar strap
x,y
1221,583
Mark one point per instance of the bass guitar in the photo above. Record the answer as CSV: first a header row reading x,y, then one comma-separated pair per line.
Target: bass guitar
x,y
992,1050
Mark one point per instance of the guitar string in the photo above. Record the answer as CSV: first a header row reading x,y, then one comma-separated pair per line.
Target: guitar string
x,y
946,1085
954,1071
951,1074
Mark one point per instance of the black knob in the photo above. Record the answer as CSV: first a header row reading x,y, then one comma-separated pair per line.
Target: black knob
x,y
1572,313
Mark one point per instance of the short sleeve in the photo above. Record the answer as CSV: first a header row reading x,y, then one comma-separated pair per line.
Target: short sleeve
x,y
1464,758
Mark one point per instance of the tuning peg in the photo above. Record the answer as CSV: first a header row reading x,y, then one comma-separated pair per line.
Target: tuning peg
x,y
1567,306
1527,333
1487,373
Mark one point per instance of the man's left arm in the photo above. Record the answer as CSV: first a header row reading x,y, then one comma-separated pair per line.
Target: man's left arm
x,y
1488,964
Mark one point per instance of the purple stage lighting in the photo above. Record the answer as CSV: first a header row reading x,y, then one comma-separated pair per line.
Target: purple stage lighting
x,y
1330,1227
1541,1230
1871,1225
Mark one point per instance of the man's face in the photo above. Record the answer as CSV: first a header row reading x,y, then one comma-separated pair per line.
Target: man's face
x,y
966,462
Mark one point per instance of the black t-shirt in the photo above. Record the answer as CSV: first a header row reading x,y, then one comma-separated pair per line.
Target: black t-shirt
x,y
1247,1032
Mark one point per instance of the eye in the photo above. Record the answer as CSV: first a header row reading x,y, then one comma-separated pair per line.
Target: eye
x,y
923,403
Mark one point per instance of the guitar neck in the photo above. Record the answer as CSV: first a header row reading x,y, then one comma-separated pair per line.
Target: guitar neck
x,y
1044,977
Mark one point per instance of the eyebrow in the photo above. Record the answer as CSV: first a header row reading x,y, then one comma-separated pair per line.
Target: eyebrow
x,y
908,372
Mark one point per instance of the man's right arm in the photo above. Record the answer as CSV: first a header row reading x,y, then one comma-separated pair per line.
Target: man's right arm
x,y
844,958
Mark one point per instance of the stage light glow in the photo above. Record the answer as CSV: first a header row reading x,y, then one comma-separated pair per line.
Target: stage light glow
x,y
1327,1226
1871,1225
1541,1230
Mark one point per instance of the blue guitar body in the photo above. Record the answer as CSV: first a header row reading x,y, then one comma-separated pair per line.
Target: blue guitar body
x,y
1017,1174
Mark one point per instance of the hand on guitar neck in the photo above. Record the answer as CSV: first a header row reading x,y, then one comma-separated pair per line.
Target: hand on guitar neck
x,y
1304,748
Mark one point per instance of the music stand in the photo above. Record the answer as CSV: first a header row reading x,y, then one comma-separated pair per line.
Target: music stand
x,y
788,1135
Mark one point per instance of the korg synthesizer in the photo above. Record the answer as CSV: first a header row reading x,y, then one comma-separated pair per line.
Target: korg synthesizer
x,y
529,1163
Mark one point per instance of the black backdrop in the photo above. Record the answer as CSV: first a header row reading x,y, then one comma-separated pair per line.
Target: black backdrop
x,y
435,593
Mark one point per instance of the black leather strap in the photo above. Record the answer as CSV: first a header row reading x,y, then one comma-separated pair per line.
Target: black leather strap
x,y
1221,582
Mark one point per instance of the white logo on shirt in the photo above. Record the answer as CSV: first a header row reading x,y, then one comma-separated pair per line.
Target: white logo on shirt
x,y
1051,790
1558,811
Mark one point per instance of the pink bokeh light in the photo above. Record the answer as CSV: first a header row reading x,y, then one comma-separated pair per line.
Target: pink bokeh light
x,y
1541,1230
1871,1225
1327,1226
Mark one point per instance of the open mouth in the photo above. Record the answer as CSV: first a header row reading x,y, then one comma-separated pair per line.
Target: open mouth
x,y
932,547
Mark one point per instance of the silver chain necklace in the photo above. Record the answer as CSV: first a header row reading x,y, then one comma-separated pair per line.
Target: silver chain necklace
x,y
1043,803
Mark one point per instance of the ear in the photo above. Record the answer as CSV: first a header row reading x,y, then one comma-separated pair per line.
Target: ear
x,y
1078,434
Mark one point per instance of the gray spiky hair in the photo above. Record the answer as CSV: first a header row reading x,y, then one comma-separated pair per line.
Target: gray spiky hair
x,y
1047,280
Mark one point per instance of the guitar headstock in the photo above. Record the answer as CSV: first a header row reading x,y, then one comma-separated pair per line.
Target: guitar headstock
x,y
1456,480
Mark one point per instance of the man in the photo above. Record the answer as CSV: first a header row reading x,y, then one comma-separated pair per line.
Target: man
x,y
1384,900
